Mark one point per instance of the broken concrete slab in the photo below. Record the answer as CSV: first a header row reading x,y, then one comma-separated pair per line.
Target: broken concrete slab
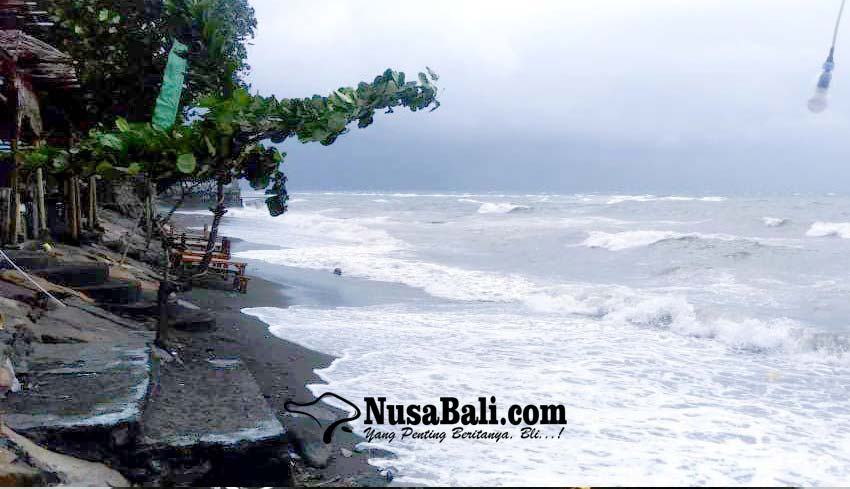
x,y
207,421
187,319
84,399
81,385
68,470
207,401
28,260
80,322
75,274
9,277
114,291
15,292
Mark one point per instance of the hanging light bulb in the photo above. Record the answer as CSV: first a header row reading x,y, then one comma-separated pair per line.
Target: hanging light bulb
x,y
818,102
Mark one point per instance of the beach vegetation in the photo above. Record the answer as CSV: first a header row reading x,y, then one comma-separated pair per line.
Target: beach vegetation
x,y
223,131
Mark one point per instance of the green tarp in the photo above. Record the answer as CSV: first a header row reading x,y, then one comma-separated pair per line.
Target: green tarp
x,y
165,112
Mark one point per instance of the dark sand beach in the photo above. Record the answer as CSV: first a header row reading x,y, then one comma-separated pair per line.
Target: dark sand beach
x,y
282,369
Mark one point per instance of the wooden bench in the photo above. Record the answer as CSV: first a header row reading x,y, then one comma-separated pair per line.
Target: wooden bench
x,y
198,242
222,265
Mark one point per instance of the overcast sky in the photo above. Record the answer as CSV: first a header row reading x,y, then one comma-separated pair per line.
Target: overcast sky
x,y
662,96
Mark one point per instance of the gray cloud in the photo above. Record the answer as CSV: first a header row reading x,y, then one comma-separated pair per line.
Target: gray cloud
x,y
658,95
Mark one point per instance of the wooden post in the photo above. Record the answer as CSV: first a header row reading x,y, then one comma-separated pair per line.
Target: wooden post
x,y
79,218
73,224
5,214
148,214
32,211
20,227
14,201
92,203
40,206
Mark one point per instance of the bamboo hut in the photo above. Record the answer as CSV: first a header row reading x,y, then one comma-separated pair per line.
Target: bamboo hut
x,y
30,70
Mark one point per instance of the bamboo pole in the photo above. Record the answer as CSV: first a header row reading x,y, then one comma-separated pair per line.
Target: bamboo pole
x,y
41,207
20,225
5,214
148,217
92,203
72,208
79,218
15,210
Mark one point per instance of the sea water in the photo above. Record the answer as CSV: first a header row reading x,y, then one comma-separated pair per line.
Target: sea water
x,y
692,339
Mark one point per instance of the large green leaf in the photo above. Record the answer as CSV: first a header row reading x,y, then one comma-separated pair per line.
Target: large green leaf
x,y
122,124
186,163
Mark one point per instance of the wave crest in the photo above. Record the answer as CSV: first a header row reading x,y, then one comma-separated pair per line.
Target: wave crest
x,y
774,222
823,229
501,208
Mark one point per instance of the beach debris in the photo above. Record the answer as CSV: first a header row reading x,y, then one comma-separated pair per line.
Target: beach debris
x,y
225,364
187,304
337,271
161,355
8,381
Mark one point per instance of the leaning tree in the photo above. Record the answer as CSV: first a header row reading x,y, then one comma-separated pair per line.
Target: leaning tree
x,y
227,136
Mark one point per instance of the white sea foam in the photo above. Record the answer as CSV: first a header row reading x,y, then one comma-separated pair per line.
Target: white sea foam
x,y
643,403
611,303
619,199
627,239
387,265
821,229
774,222
690,377
501,208
634,239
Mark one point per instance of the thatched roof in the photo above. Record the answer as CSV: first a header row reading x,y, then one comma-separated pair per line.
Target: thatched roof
x,y
15,13
45,65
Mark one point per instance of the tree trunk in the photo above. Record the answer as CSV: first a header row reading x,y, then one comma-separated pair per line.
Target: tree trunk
x,y
184,192
163,293
218,212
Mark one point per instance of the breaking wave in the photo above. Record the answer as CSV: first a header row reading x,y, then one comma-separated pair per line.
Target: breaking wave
x,y
674,313
635,239
495,207
774,222
502,208
823,229
619,199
